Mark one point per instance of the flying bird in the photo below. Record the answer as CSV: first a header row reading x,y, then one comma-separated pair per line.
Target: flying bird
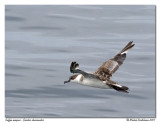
x,y
101,77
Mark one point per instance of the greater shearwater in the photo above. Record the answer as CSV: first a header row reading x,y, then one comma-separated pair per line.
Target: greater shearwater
x,y
101,77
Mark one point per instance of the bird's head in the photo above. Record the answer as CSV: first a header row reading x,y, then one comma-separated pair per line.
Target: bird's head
x,y
73,78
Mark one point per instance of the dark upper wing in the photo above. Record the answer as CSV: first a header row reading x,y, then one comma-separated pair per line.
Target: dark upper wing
x,y
110,66
74,68
107,68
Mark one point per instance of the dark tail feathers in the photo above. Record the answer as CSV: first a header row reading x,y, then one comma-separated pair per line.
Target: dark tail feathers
x,y
120,88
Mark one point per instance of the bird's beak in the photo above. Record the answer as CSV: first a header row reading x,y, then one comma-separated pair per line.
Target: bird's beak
x,y
66,81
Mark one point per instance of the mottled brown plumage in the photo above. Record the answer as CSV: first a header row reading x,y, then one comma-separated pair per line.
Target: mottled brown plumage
x,y
104,72
111,66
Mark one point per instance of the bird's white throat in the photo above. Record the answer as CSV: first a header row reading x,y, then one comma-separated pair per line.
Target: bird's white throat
x,y
77,79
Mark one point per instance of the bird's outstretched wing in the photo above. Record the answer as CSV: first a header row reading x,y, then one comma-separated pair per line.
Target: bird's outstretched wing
x,y
74,68
110,66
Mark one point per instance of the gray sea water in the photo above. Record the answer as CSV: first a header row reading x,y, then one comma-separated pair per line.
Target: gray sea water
x,y
42,41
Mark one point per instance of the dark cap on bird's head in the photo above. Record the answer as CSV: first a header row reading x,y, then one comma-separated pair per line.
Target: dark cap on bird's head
x,y
71,78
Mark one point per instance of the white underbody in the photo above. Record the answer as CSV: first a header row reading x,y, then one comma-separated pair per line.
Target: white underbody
x,y
92,82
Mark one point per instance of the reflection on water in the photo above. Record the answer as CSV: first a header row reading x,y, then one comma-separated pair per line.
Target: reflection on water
x,y
42,41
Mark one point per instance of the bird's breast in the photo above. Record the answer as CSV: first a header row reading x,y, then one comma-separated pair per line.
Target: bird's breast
x,y
94,83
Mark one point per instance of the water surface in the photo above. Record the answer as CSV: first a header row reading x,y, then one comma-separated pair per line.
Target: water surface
x,y
42,41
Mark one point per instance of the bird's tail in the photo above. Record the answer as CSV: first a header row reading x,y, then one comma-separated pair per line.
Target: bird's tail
x,y
126,48
120,88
